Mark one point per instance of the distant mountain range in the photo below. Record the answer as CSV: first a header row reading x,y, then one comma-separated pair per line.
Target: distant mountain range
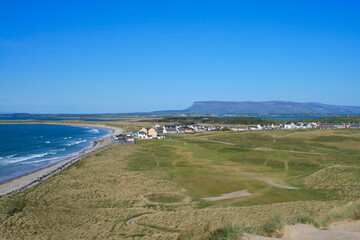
x,y
237,108
270,107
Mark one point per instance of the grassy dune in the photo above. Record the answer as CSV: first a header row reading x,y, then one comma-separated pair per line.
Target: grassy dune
x,y
153,190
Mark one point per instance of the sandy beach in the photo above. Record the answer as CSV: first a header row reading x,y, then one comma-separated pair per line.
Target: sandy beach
x,y
19,184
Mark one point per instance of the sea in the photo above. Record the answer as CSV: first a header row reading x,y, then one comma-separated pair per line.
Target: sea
x,y
40,118
26,148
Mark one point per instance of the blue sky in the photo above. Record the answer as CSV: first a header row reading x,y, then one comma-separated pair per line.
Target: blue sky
x,y
127,56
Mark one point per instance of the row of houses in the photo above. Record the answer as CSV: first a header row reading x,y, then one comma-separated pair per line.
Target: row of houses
x,y
158,132
338,125
301,125
309,125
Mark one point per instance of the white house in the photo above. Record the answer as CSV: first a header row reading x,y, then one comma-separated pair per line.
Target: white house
x,y
308,126
143,135
253,128
289,125
260,126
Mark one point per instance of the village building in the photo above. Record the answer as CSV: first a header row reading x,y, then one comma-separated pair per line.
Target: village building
x,y
289,125
157,132
151,132
181,129
260,126
189,130
308,126
142,134
169,130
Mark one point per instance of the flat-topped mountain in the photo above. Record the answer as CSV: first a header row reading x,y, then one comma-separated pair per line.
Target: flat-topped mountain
x,y
270,107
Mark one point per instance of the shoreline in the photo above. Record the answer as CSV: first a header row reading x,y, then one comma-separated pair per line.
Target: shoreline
x,y
22,183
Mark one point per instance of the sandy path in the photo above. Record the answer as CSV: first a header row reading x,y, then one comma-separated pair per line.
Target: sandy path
x,y
241,193
35,178
336,231
247,236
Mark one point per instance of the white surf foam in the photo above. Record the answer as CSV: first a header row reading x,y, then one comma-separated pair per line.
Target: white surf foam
x,y
7,157
22,159
94,130
75,143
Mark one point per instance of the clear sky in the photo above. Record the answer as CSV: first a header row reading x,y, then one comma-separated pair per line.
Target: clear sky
x,y
126,56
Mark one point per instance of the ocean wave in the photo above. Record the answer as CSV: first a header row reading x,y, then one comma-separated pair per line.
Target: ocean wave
x,y
75,143
22,159
94,130
10,156
47,142
37,161
53,160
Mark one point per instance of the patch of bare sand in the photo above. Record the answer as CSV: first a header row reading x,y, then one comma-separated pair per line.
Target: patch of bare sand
x,y
336,231
346,226
247,236
241,193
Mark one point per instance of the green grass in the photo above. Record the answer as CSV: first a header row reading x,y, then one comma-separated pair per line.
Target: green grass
x,y
207,168
165,198
161,183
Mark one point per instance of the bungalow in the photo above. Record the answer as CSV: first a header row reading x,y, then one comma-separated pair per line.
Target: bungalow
x,y
253,128
211,128
260,126
290,125
189,130
169,130
142,134
308,126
